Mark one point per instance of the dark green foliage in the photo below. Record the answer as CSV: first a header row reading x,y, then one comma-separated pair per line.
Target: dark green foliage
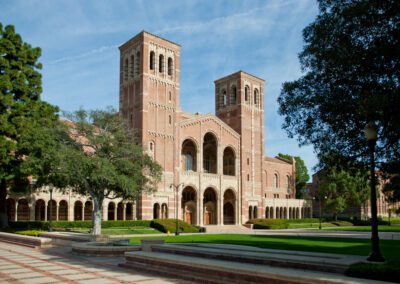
x,y
388,271
302,176
342,223
44,225
269,223
169,225
351,65
358,222
21,110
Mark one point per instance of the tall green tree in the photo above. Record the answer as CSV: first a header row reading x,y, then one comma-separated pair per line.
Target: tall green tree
x,y
343,188
302,176
106,163
351,66
21,109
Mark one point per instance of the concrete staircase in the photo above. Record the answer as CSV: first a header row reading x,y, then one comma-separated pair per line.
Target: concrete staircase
x,y
220,263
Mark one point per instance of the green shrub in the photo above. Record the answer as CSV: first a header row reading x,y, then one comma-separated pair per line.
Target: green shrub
x,y
358,222
269,223
342,223
389,271
169,225
305,220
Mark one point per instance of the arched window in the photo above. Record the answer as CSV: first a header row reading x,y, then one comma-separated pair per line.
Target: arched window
x,y
233,96
126,66
223,98
256,99
161,63
275,181
151,146
138,62
287,182
170,66
229,162
170,96
132,72
169,120
246,93
189,161
152,58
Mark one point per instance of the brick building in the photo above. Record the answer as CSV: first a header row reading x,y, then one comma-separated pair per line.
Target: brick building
x,y
214,166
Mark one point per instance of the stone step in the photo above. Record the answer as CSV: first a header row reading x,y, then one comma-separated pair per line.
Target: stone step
x,y
201,270
291,259
226,229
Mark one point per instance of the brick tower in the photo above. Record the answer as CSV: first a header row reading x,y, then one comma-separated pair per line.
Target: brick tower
x,y
149,101
239,102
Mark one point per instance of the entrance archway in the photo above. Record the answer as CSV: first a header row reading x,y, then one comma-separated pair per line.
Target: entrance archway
x,y
189,205
40,210
78,211
120,211
229,207
88,210
63,211
210,206
23,213
111,211
156,211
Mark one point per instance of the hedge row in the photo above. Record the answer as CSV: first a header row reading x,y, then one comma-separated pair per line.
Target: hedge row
x,y
44,225
169,225
269,223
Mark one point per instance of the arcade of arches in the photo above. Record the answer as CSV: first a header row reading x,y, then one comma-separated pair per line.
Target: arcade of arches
x,y
24,209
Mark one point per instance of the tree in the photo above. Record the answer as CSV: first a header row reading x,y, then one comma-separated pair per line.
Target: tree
x,y
106,163
302,176
351,61
343,188
21,109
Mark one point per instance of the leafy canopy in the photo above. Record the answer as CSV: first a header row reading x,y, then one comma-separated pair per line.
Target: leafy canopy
x,y
351,65
302,176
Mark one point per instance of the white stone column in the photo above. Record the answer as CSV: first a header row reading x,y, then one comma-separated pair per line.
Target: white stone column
x,y
201,209
45,212
83,211
105,212
57,209
16,212
123,211
31,212
115,211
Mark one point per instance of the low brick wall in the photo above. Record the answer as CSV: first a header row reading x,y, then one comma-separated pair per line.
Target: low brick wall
x,y
25,240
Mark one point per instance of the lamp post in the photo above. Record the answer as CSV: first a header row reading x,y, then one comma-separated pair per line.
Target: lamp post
x,y
320,209
176,187
371,135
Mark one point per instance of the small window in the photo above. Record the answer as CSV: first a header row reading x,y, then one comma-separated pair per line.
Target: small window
x,y
152,57
256,100
131,120
161,63
126,70
248,177
170,96
151,146
246,93
169,120
132,73
137,62
287,182
248,161
170,66
275,181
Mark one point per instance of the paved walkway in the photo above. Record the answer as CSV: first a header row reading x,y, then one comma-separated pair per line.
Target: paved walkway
x,y
20,264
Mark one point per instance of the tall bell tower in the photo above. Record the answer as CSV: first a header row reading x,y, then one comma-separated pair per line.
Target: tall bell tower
x,y
239,102
149,101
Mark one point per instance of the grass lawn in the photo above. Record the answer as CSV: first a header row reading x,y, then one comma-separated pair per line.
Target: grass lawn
x,y
382,228
390,248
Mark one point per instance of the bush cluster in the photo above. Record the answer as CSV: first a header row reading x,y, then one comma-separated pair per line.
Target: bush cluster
x,y
44,225
169,225
342,223
389,271
269,223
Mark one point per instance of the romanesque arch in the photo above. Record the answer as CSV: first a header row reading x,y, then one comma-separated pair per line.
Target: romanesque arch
x,y
229,207
164,211
63,211
88,210
152,60
250,212
210,153
189,155
189,205
78,209
229,161
129,211
233,95
156,211
255,212
111,211
120,211
23,213
40,210
210,206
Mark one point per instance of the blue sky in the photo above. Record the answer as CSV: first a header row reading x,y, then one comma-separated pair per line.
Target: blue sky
x,y
80,39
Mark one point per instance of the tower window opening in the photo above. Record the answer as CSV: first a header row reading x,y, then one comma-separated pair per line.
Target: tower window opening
x,y
170,96
138,62
161,63
169,120
246,93
256,98
132,73
233,95
152,57
126,70
170,67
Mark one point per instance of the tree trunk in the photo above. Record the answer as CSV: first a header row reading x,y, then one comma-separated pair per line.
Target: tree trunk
x,y
96,216
3,204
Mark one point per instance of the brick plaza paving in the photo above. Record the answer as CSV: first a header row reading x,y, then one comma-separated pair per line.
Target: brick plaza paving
x,y
20,264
